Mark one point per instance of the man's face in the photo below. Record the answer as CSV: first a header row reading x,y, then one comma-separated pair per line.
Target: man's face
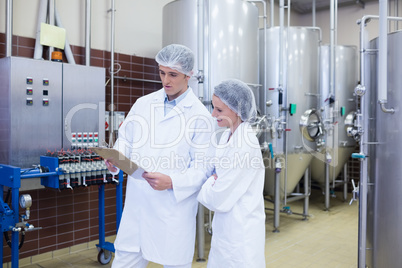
x,y
174,82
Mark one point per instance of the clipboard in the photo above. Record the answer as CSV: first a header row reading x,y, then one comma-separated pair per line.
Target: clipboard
x,y
117,158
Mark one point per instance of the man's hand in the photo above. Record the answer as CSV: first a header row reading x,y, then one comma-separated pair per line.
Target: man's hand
x,y
158,181
111,167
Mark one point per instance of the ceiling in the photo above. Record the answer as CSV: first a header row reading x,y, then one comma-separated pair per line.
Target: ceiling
x,y
305,6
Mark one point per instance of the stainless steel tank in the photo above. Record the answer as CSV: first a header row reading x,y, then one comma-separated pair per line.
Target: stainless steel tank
x,y
384,216
341,112
300,80
222,34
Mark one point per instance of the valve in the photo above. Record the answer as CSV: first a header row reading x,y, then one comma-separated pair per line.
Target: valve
x,y
287,210
200,76
355,193
281,128
353,127
278,166
358,155
15,229
269,103
360,90
271,150
328,157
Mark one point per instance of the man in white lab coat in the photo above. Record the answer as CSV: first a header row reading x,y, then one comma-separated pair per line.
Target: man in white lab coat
x,y
168,133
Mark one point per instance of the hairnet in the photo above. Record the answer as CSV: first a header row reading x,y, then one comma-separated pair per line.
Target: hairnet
x,y
177,57
238,97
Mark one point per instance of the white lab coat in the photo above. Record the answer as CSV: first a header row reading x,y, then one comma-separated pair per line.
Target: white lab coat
x,y
162,223
236,197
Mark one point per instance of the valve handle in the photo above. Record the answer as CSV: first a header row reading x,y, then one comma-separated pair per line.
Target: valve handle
x,y
355,192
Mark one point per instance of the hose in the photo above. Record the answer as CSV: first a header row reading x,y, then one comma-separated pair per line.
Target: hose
x,y
7,238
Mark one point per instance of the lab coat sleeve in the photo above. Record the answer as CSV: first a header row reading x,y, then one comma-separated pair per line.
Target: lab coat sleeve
x,y
234,178
188,182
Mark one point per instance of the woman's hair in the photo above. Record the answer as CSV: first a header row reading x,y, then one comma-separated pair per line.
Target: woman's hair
x,y
238,97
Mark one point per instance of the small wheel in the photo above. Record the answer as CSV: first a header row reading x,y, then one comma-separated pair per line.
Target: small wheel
x,y
104,256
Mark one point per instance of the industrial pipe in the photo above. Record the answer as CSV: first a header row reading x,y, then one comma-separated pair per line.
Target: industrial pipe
x,y
264,90
396,11
280,90
272,5
88,33
307,191
124,78
362,22
277,187
41,19
201,87
382,57
281,58
200,233
330,140
51,19
200,51
362,236
332,49
111,131
313,11
9,28
207,54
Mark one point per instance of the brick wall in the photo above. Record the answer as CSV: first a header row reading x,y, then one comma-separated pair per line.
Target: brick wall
x,y
69,217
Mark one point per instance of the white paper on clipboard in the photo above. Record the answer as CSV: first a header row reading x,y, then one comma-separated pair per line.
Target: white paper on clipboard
x,y
118,159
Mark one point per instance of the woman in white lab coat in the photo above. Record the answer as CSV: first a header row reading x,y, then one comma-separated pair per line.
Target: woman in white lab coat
x,y
235,192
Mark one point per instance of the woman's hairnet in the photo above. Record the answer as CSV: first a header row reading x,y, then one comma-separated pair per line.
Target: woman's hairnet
x,y
177,57
238,97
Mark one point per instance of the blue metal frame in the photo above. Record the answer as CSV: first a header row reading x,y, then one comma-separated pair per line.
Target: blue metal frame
x,y
119,210
11,177
52,163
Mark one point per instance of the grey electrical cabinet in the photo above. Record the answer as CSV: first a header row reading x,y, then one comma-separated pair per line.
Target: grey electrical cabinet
x,y
48,106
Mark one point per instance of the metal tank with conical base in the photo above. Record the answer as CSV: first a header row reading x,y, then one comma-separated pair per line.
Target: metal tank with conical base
x,y
290,93
338,111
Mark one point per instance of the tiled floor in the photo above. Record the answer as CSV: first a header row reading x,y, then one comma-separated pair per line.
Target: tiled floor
x,y
327,239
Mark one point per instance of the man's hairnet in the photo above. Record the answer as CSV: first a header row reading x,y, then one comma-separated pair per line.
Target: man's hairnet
x,y
177,57
238,97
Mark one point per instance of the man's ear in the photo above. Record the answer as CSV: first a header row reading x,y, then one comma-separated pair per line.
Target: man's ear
x,y
190,74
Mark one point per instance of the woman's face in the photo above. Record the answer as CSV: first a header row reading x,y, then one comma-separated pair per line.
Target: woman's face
x,y
224,115
174,82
